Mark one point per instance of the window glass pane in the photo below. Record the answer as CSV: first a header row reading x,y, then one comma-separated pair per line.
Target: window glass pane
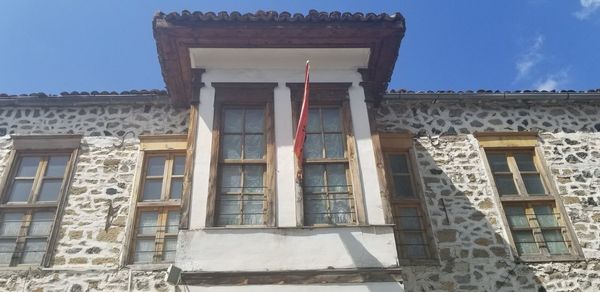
x,y
402,186
229,210
498,162
232,122
232,146
533,184
253,210
331,120
313,146
255,121
253,179
315,209
555,242
314,121
412,238
254,147
413,245
49,190
399,163
415,251
176,188
7,248
41,223
340,209
56,166
20,190
545,216
505,184
525,161
336,178
34,250
231,179
172,222
334,146
28,166
144,250
525,243
147,222
152,189
516,216
313,179
170,249
179,165
156,166
10,224
409,219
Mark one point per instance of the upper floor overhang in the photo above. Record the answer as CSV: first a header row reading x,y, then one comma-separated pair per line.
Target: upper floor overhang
x,y
179,37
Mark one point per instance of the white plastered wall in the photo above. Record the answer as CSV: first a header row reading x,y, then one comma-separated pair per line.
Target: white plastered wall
x,y
283,66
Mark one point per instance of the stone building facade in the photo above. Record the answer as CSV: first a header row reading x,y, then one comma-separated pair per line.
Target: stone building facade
x,y
470,242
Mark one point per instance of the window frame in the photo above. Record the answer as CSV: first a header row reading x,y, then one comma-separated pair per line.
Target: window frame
x,y
402,144
171,146
44,146
330,94
345,161
527,142
243,95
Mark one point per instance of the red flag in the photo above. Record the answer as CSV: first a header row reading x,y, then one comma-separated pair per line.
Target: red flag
x,y
302,122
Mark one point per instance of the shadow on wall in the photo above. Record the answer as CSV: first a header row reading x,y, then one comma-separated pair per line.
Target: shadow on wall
x,y
466,224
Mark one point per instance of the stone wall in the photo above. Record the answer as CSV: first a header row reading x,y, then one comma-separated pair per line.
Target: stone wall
x,y
472,244
88,251
470,239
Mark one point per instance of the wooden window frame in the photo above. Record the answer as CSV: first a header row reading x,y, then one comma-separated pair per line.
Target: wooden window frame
x,y
402,144
527,142
44,146
170,146
331,94
231,94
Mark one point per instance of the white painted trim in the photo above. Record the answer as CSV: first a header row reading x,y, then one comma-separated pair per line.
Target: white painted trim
x,y
284,171
366,155
198,200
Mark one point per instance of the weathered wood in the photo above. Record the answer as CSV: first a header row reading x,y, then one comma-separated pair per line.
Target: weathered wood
x,y
527,142
214,165
270,196
243,94
131,218
299,277
189,167
353,163
507,139
174,42
162,142
45,142
60,209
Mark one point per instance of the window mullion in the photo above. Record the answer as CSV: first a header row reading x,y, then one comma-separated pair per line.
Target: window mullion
x,y
37,181
242,191
160,234
327,195
22,237
536,229
168,173
512,165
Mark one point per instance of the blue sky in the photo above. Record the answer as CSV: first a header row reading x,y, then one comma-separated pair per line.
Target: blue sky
x,y
60,45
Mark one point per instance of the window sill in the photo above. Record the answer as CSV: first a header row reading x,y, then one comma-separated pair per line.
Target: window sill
x,y
292,227
549,259
419,262
21,268
148,267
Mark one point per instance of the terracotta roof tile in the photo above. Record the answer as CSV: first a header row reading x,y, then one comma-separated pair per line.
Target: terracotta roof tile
x,y
143,92
272,16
